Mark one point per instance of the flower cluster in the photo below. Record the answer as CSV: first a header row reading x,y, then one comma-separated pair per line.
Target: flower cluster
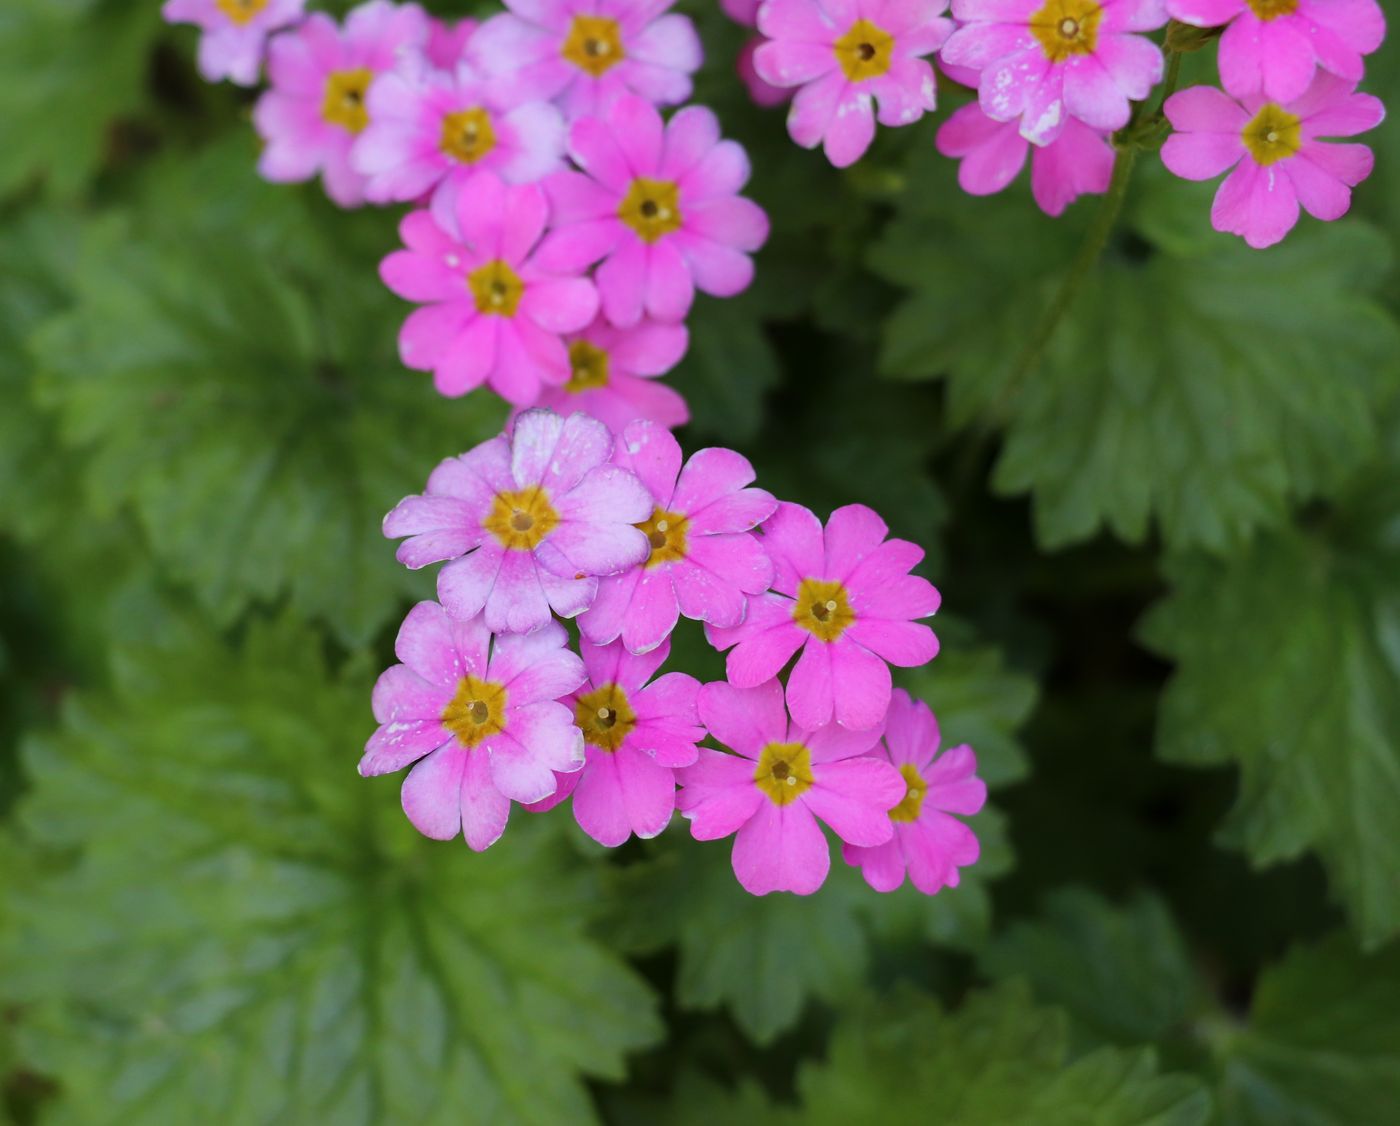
x,y
560,226
624,534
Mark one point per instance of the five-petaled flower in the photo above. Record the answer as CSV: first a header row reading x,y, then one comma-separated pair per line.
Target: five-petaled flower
x,y
235,33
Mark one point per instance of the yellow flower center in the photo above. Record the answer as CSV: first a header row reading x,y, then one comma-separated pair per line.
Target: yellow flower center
x,y
1272,9
913,800
651,208
240,11
496,287
476,711
665,531
784,772
823,609
520,520
590,367
605,717
865,51
467,135
1273,135
594,44
344,101
1067,27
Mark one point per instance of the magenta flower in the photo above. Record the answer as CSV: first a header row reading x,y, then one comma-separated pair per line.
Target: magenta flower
x,y
742,12
635,734
446,47
846,57
529,521
1045,61
845,599
613,375
1279,159
320,76
780,780
1077,162
659,206
1272,47
929,843
482,719
434,130
585,54
761,93
235,33
491,312
703,562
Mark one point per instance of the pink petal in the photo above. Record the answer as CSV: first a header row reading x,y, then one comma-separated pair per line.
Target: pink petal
x,y
538,740
718,794
621,794
485,809
810,689
1256,203
394,745
743,719
862,681
432,793
882,866
905,644
854,798
763,643
781,848
622,282
653,454
536,667
794,540
427,643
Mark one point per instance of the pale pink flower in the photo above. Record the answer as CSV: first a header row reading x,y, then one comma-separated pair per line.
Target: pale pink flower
x,y
929,843
780,780
659,206
845,57
234,33
1077,162
482,717
320,76
843,597
529,520
1280,161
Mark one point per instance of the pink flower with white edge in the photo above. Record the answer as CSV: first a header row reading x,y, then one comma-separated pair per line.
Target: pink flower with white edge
x,y
585,54
779,781
929,843
1077,162
846,57
235,33
528,520
446,48
320,75
842,597
703,562
1277,154
761,93
482,717
1043,62
435,131
635,736
492,313
1272,47
614,375
659,207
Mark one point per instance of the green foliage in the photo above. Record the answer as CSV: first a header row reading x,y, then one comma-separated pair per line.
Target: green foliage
x,y
226,930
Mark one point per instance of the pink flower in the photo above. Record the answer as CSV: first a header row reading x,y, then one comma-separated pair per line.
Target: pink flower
x,y
1276,151
434,130
614,374
585,54
845,599
929,843
447,43
320,76
845,57
481,717
1272,47
491,312
776,785
1077,162
1045,61
235,33
659,206
530,520
742,12
761,93
635,735
703,561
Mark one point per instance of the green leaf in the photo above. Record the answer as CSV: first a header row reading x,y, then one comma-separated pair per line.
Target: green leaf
x,y
231,372
71,67
1202,386
1123,971
1288,664
728,370
997,1061
1322,1044
232,926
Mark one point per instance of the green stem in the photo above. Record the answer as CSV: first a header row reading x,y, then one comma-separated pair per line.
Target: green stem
x,y
1173,77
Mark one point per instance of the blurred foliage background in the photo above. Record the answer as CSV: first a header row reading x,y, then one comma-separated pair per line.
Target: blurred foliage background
x,y
1169,546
